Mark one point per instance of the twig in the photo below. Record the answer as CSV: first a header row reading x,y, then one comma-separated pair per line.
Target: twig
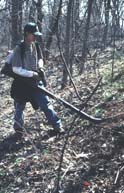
x,y
116,178
62,155
66,171
118,175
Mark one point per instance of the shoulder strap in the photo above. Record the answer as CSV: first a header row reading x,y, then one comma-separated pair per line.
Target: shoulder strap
x,y
22,51
39,52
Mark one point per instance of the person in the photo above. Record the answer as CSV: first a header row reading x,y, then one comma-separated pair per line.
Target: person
x,y
24,87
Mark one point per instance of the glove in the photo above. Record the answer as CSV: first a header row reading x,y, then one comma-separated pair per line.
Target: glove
x,y
42,76
36,76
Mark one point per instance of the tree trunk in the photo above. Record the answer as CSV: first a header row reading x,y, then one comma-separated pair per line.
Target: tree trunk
x,y
16,21
86,35
53,27
107,8
117,16
40,16
67,44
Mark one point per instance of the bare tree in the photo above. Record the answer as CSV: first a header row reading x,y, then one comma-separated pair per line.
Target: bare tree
x,y
107,10
84,24
53,25
16,15
68,42
86,35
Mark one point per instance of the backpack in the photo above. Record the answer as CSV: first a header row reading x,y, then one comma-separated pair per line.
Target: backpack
x,y
7,68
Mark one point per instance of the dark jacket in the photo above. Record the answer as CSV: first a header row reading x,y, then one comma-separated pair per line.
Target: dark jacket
x,y
23,89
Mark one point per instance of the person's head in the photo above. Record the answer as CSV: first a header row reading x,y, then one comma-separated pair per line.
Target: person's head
x,y
31,31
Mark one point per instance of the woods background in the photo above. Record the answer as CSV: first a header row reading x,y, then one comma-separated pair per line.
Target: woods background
x,y
83,50
71,28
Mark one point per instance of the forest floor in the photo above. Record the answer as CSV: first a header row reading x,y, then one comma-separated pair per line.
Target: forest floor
x,y
88,158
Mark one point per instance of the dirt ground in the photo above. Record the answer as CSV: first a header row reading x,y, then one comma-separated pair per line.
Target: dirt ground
x,y
88,158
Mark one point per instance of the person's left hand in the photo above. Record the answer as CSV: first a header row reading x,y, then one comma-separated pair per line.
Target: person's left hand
x,y
36,76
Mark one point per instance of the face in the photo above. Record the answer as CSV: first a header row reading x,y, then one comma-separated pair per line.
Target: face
x,y
30,38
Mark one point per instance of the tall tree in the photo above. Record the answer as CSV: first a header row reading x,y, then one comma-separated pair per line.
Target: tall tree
x,y
86,35
107,10
68,41
16,16
53,24
116,15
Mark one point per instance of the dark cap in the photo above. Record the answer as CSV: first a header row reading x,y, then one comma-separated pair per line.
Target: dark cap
x,y
32,28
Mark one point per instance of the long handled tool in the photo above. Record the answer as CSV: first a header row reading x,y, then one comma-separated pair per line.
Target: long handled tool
x,y
32,83
70,106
